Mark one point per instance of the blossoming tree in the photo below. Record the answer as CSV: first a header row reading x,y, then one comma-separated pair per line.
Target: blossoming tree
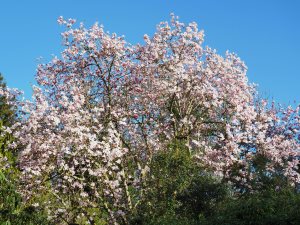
x,y
102,111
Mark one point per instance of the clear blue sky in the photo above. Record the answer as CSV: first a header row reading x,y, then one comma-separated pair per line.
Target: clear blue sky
x,y
264,33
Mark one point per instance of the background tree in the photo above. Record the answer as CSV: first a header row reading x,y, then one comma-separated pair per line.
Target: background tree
x,y
7,112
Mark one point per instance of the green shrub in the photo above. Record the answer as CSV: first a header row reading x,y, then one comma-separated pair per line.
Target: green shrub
x,y
179,192
269,207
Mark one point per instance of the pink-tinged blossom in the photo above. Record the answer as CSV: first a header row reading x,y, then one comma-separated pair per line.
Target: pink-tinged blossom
x,y
104,108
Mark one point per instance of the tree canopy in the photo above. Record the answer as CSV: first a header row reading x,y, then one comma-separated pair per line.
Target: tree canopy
x,y
120,134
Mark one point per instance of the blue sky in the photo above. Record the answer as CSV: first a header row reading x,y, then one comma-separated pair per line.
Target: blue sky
x,y
264,33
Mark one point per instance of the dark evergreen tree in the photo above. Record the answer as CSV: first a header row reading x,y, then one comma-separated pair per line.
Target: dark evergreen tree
x,y
7,112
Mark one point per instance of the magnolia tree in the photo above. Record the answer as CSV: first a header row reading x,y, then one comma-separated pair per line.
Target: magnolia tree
x,y
105,108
